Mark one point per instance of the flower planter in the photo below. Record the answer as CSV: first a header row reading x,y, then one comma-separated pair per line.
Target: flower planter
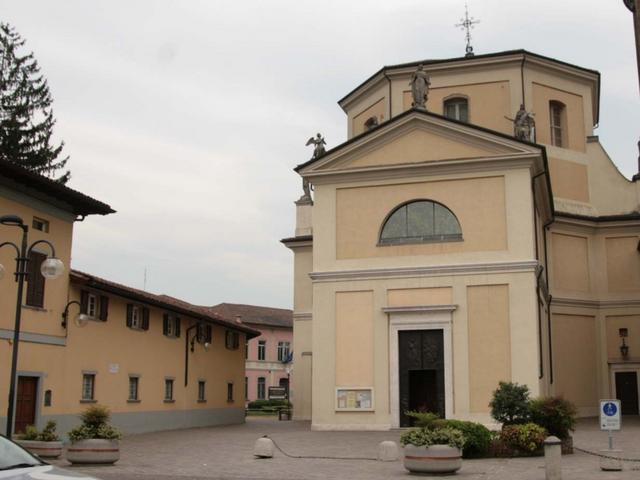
x,y
42,449
567,445
97,451
433,459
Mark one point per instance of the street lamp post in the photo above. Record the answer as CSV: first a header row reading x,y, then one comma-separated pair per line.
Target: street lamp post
x,y
52,267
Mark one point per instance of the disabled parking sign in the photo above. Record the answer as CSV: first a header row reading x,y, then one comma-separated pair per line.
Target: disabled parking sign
x,y
609,414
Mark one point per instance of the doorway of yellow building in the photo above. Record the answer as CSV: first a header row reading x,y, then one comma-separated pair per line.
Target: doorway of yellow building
x,y
26,402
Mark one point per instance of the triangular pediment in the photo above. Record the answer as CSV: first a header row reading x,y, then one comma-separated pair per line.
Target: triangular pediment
x,y
418,138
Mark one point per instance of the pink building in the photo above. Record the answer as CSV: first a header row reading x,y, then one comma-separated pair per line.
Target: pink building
x,y
265,355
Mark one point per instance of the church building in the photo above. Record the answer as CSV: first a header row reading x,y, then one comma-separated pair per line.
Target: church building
x,y
471,230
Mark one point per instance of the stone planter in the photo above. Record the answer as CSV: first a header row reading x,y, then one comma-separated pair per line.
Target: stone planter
x,y
42,449
94,450
433,459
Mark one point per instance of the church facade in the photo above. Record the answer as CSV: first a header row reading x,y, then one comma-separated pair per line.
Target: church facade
x,y
481,236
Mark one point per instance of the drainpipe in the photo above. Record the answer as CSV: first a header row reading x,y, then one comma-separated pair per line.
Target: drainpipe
x,y
535,236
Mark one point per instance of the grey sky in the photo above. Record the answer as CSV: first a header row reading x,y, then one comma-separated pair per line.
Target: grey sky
x,y
187,117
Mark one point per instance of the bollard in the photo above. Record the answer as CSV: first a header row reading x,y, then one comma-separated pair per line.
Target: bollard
x,y
263,448
387,451
553,458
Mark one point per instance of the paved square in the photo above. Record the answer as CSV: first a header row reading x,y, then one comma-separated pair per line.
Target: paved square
x,y
227,453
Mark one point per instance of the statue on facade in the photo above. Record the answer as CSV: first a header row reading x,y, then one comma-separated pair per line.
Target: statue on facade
x,y
306,189
524,125
319,144
420,83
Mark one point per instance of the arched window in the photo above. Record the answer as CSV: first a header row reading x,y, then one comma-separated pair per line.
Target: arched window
x,y
557,120
457,108
420,221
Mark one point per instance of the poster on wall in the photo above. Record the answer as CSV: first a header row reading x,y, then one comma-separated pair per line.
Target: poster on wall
x,y
354,399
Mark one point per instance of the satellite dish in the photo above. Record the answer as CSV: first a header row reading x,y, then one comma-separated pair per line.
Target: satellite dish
x,y
81,320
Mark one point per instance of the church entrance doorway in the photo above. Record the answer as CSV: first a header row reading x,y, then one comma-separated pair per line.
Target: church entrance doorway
x,y
421,372
627,392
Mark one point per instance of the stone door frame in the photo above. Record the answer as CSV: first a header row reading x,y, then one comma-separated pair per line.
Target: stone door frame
x,y
434,317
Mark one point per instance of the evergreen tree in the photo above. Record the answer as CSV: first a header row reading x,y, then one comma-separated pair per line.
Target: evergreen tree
x,y
26,116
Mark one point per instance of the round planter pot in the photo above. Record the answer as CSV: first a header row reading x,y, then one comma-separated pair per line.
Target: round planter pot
x,y
42,449
433,459
94,450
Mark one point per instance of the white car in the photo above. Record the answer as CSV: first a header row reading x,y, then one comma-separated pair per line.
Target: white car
x,y
18,464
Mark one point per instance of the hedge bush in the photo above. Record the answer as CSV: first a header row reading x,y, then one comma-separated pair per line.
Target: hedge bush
x,y
477,438
266,404
555,414
438,436
526,437
510,403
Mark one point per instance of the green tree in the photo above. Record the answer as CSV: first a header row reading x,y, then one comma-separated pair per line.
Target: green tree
x,y
26,116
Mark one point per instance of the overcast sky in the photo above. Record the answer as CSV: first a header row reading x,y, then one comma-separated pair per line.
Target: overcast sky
x,y
187,117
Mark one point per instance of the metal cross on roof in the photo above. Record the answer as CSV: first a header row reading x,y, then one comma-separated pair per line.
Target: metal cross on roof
x,y
467,24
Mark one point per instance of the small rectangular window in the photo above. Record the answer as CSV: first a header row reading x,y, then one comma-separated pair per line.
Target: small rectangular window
x,y
246,388
232,340
40,224
556,111
133,388
170,326
283,351
262,349
137,317
201,397
92,305
261,388
88,384
168,389
229,392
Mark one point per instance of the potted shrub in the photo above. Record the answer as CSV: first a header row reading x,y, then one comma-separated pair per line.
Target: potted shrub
x,y
557,416
432,451
95,441
45,444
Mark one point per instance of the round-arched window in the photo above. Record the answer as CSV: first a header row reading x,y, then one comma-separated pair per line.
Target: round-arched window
x,y
420,221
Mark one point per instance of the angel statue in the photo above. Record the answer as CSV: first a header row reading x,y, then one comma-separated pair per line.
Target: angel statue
x,y
319,144
420,83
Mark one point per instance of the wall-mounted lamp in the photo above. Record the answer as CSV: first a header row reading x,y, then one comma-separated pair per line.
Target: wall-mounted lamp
x,y
624,348
80,320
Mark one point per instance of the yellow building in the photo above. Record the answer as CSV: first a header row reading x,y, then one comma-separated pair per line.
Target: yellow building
x,y
157,362
440,254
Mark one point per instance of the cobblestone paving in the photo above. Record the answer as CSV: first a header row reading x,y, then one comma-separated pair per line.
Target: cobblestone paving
x,y
227,453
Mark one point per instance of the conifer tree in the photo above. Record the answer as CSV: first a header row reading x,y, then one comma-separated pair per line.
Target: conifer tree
x,y
26,115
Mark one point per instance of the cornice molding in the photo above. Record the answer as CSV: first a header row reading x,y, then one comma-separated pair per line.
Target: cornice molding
x,y
597,304
420,308
431,271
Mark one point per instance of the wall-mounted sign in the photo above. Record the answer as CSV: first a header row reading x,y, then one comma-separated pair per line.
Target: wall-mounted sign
x,y
610,414
114,368
354,399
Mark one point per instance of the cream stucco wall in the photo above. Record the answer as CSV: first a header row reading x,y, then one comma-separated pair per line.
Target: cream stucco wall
x,y
489,343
